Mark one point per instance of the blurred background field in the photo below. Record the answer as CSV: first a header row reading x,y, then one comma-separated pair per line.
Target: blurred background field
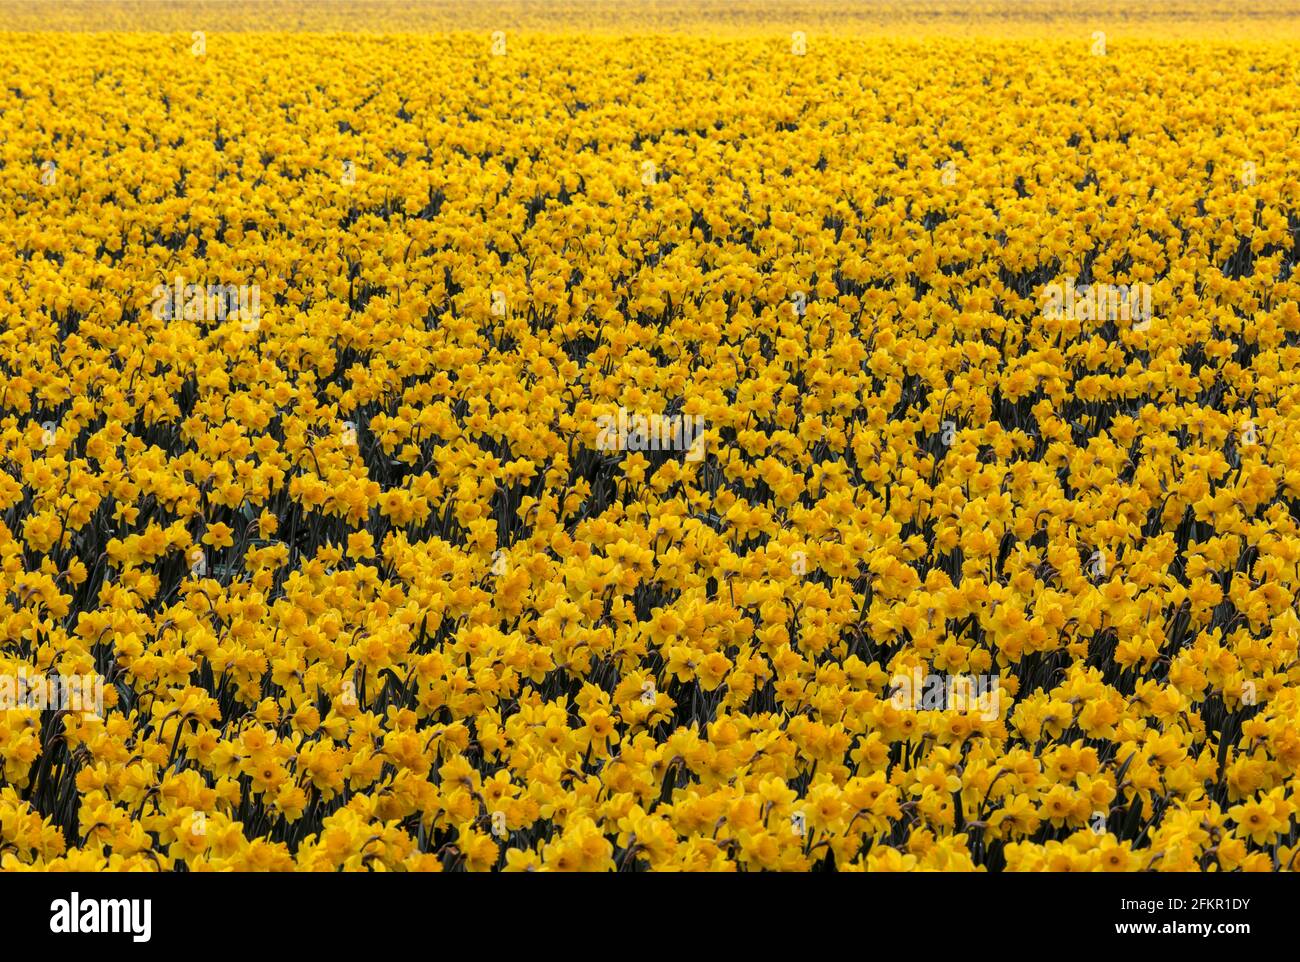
x,y
1218,19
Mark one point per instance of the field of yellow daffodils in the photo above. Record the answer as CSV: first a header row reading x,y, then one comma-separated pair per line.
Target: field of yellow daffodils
x,y
699,439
